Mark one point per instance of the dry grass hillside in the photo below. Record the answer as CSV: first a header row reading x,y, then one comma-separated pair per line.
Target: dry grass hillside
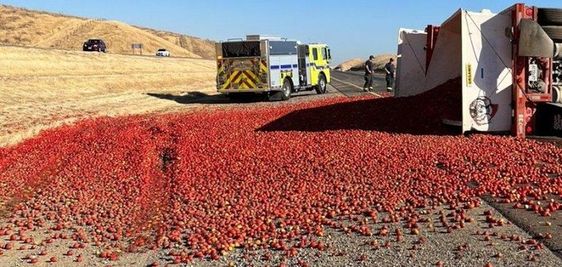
x,y
203,48
357,64
42,88
22,27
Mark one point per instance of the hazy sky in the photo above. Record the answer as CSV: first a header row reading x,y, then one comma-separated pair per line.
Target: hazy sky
x,y
353,28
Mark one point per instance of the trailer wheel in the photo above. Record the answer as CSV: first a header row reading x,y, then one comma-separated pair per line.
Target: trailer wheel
x,y
556,94
286,90
554,32
322,84
550,16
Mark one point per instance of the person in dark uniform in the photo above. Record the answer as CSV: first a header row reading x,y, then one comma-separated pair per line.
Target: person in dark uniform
x,y
390,70
369,72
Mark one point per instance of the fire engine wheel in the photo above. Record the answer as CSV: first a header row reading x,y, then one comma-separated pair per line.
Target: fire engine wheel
x,y
322,84
550,16
286,90
554,32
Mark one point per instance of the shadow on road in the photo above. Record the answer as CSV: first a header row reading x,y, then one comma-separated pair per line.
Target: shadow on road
x,y
418,115
202,98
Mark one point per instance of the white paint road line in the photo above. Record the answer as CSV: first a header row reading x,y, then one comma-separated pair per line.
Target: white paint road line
x,y
358,87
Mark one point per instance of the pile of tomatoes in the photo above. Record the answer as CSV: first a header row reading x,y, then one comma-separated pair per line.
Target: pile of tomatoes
x,y
266,177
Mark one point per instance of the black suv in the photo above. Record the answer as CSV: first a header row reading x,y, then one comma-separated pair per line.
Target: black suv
x,y
94,45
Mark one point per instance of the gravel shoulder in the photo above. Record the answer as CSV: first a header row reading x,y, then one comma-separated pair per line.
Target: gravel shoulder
x,y
475,245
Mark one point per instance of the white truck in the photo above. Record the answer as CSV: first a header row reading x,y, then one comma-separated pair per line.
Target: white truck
x,y
162,53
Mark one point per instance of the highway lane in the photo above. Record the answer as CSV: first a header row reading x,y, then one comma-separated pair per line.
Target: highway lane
x,y
351,84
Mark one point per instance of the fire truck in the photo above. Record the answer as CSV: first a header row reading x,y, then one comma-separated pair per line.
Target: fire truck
x,y
277,67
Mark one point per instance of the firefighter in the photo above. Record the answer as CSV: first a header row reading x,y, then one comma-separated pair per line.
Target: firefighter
x,y
390,70
369,72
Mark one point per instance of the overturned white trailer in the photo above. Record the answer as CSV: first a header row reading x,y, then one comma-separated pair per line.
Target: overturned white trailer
x,y
503,78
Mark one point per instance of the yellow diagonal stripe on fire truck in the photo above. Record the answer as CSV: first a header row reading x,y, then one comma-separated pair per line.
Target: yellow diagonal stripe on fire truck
x,y
247,82
253,79
251,75
231,79
263,66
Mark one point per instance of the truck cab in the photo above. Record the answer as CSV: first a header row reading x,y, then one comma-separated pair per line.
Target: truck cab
x,y
319,57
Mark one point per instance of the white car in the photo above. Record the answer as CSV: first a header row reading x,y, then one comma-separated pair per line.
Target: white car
x,y
162,53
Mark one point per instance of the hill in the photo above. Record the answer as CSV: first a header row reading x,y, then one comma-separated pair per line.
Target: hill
x,y
22,27
357,64
203,48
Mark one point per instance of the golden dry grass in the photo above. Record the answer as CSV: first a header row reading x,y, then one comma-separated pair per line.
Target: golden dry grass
x,y
24,27
42,88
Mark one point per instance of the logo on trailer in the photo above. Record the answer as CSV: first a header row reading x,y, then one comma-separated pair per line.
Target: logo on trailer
x,y
482,110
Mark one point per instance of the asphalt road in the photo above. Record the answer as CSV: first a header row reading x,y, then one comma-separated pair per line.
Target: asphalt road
x,y
351,83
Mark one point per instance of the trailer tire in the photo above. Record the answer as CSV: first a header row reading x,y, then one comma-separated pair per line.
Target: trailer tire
x,y
554,32
550,16
322,84
287,89
556,94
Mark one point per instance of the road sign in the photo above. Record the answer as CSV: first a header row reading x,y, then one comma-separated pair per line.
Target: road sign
x,y
136,47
